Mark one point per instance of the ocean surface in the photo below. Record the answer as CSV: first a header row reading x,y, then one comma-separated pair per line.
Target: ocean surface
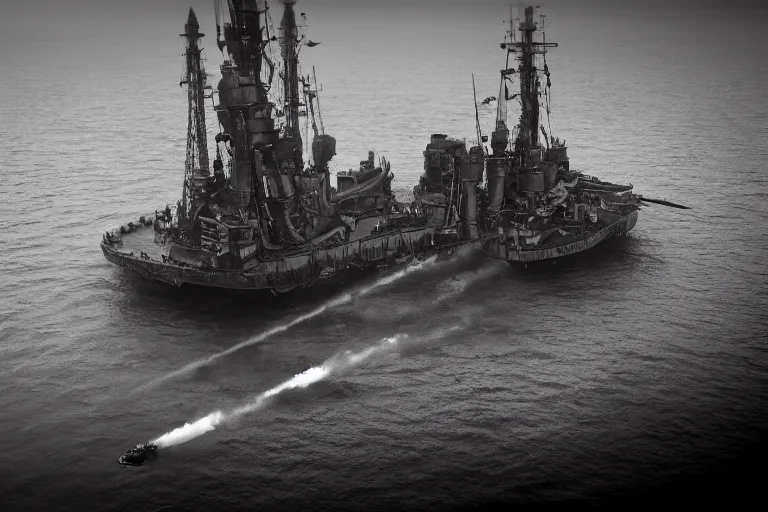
x,y
636,372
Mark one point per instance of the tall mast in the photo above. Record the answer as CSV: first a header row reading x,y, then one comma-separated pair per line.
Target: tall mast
x,y
527,48
289,45
196,163
244,109
529,86
501,103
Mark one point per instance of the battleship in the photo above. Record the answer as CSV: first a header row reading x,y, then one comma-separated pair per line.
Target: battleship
x,y
537,206
263,214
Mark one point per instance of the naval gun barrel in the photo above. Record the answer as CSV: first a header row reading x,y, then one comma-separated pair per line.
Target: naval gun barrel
x,y
663,201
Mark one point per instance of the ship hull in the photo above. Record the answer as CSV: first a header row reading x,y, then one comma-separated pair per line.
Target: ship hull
x,y
137,253
619,226
173,276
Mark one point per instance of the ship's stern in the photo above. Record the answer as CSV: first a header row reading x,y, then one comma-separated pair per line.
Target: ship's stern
x,y
631,221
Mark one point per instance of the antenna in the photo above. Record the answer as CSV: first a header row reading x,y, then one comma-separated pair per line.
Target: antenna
x,y
317,95
477,115
547,89
309,95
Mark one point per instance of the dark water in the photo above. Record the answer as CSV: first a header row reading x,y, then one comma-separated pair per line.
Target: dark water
x,y
637,372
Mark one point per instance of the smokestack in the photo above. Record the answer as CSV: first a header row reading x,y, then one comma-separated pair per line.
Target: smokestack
x,y
472,170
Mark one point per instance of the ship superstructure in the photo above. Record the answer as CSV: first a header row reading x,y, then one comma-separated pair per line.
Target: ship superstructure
x,y
196,163
263,214
539,208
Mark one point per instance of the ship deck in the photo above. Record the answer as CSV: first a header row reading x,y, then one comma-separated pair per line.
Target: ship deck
x,y
563,245
142,240
140,254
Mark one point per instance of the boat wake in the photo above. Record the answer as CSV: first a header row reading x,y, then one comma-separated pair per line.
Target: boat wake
x,y
342,299
333,366
396,276
457,284
247,343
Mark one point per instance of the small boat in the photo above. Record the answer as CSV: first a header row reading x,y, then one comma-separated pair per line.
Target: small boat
x,y
138,456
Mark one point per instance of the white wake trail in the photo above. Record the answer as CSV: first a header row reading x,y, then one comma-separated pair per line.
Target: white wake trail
x,y
190,430
399,274
343,299
457,284
247,343
336,364
317,373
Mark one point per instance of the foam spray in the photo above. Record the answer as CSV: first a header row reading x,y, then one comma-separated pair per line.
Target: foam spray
x,y
334,365
457,284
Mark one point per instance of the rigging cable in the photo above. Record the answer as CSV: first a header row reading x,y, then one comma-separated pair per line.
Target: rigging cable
x,y
306,126
477,115
548,88
317,96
